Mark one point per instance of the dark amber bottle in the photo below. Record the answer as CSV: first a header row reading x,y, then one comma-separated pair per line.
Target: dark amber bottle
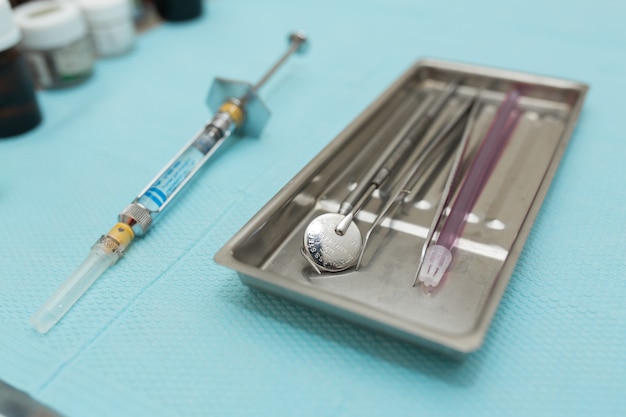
x,y
19,111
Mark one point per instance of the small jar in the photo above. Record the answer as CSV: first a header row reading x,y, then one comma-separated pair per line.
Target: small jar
x,y
56,42
178,10
19,111
111,25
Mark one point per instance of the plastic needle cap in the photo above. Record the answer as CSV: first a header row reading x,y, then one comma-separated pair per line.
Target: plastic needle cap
x,y
436,262
104,253
70,291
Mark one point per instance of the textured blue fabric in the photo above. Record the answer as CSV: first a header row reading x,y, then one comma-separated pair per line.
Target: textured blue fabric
x,y
166,332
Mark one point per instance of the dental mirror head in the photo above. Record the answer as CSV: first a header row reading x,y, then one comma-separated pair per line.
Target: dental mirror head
x,y
328,250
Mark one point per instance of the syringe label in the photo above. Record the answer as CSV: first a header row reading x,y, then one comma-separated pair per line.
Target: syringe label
x,y
156,196
157,199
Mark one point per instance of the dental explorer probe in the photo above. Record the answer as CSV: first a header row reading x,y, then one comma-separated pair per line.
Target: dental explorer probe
x,y
238,108
380,171
331,241
426,157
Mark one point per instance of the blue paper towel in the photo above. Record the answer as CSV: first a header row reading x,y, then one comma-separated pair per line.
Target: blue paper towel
x,y
168,332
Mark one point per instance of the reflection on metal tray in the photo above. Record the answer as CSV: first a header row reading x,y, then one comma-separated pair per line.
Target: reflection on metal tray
x,y
380,294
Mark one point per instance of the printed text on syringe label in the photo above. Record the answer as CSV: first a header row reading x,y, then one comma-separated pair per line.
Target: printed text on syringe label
x,y
156,196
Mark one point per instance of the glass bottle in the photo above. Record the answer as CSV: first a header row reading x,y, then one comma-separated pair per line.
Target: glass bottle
x,y
19,111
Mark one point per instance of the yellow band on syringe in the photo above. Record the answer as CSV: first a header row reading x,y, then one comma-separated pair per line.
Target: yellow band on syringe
x,y
123,234
234,111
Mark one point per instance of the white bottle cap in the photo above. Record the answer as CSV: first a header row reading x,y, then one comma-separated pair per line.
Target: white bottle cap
x,y
9,33
50,24
103,11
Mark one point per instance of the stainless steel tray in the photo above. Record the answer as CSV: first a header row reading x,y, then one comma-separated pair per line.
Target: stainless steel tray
x,y
380,295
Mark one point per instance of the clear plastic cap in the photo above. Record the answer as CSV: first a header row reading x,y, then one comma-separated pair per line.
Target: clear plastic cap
x,y
98,260
436,262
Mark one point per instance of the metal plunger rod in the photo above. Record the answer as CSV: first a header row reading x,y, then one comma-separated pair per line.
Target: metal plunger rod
x,y
296,39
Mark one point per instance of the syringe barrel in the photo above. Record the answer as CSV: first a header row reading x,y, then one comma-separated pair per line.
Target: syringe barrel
x,y
164,186
175,175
